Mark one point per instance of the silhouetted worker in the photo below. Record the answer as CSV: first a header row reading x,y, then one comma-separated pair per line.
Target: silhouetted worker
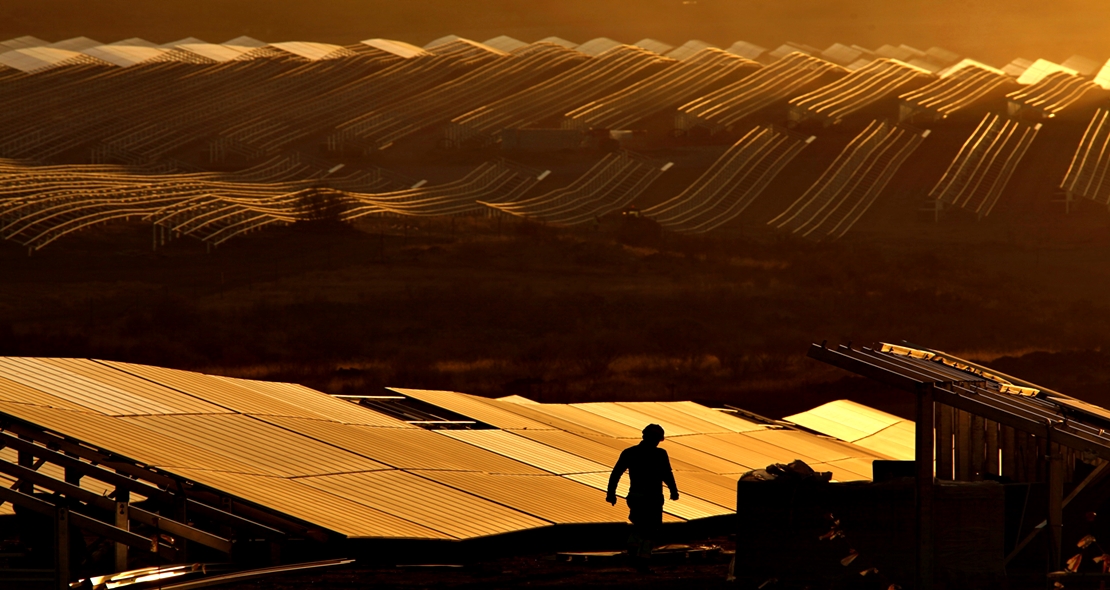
x,y
648,468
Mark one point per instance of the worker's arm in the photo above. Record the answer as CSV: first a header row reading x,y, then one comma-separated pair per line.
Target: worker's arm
x,y
668,475
615,478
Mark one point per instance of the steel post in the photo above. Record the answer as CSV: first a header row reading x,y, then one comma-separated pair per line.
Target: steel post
x,y
924,461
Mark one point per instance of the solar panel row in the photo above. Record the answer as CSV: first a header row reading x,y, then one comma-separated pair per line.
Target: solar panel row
x,y
270,98
340,467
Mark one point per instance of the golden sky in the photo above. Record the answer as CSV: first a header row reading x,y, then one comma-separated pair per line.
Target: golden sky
x,y
991,30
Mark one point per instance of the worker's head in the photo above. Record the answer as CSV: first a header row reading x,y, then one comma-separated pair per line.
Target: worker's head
x,y
653,433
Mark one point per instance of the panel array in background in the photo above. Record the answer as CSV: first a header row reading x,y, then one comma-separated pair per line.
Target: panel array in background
x,y
148,107
344,468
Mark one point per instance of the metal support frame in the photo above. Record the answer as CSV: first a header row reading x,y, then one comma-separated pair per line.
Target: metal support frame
x,y
976,454
119,555
1055,501
121,481
80,521
171,526
26,459
62,519
965,396
944,417
61,547
1098,474
923,439
1035,436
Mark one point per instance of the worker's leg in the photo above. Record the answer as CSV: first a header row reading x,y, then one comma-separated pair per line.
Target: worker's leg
x,y
646,515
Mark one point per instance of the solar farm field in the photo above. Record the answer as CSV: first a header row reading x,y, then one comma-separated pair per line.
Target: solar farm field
x,y
380,212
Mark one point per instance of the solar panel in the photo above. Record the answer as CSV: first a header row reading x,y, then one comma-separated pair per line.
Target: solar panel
x,y
124,56
406,449
718,489
559,41
313,505
586,447
504,43
12,391
572,419
274,450
214,52
669,417
426,503
682,458
473,407
76,44
333,465
77,389
729,421
241,41
320,403
525,450
821,449
217,391
865,427
1040,69
896,441
846,469
126,439
654,45
175,401
726,456
310,51
635,419
844,419
687,507
551,498
398,48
